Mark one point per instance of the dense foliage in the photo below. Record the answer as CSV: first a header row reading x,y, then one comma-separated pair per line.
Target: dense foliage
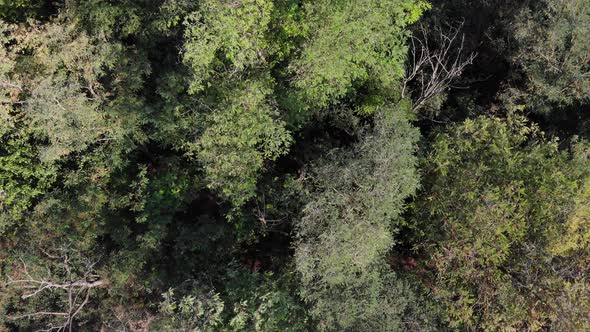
x,y
294,165
502,195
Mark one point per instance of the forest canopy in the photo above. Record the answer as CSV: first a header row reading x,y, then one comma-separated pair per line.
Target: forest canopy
x,y
294,165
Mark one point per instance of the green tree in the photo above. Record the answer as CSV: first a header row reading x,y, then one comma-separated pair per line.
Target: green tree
x,y
348,228
495,191
352,45
240,136
132,131
68,104
341,47
226,32
552,51
248,302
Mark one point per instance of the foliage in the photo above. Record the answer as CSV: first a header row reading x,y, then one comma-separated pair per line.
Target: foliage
x,y
249,302
496,188
253,165
575,236
252,42
190,313
553,53
19,9
348,227
240,137
23,178
353,45
238,31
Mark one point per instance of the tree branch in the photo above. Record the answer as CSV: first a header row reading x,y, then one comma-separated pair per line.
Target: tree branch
x,y
78,289
434,68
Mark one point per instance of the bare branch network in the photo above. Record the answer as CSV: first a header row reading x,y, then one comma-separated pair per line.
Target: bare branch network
x,y
77,288
435,65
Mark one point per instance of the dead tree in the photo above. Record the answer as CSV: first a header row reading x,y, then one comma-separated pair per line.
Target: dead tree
x,y
76,286
434,65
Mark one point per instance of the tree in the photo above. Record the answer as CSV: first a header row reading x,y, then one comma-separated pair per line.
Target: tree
x,y
259,165
23,178
68,99
553,53
237,31
14,10
242,134
352,45
349,225
249,302
251,43
495,190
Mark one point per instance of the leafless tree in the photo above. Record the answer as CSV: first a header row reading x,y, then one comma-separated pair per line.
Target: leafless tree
x,y
76,283
435,64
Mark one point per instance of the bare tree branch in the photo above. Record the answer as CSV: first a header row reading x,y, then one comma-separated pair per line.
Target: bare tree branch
x,y
78,287
6,84
433,67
